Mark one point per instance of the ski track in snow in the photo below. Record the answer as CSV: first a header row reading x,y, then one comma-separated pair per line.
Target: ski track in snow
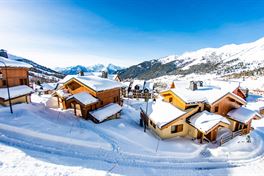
x,y
29,140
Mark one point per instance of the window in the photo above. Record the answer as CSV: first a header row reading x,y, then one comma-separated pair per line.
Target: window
x,y
177,128
216,109
23,81
115,99
152,124
4,82
170,99
102,102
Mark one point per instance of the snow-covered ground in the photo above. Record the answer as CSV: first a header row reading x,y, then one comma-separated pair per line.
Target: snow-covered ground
x,y
37,140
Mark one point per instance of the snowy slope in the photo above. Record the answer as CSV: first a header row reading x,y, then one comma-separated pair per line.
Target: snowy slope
x,y
38,71
228,59
43,141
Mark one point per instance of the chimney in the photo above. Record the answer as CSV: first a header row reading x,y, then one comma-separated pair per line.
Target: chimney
x,y
104,74
3,53
81,73
193,85
200,83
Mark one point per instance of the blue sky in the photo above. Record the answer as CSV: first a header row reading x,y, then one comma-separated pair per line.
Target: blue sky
x,y
123,32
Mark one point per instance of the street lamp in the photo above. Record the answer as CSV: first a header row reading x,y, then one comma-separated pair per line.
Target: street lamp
x,y
7,85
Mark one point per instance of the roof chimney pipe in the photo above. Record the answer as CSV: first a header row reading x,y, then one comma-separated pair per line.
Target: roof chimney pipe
x,y
3,53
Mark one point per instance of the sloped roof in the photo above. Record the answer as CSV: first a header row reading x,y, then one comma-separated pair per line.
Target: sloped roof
x,y
161,113
149,85
13,63
63,93
243,114
49,86
207,93
15,91
84,97
94,82
105,112
139,83
205,121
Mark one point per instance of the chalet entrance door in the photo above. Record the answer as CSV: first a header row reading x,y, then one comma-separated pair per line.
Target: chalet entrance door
x,y
199,135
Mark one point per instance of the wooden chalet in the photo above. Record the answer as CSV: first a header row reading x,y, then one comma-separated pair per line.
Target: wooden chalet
x,y
18,81
89,94
197,111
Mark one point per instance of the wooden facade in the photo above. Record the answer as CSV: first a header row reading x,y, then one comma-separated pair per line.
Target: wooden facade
x,y
222,106
225,104
16,76
73,86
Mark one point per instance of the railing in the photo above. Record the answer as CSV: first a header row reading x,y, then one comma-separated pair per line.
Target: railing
x,y
231,136
138,95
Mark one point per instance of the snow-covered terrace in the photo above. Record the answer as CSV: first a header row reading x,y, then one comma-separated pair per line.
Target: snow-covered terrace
x,y
105,112
243,114
15,92
205,121
84,97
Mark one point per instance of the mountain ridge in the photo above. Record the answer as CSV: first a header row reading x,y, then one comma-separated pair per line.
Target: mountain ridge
x,y
72,70
225,60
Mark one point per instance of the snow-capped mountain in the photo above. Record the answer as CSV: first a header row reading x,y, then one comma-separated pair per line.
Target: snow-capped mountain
x,y
38,72
228,59
95,68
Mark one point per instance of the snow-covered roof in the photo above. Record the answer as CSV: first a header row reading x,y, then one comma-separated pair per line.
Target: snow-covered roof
x,y
84,97
94,82
48,86
105,112
126,84
63,93
189,96
242,114
256,106
15,91
66,78
207,93
149,86
205,121
222,84
161,113
139,83
112,76
13,63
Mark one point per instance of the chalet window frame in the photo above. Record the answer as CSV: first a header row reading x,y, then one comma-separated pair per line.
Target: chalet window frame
x,y
176,128
4,83
216,109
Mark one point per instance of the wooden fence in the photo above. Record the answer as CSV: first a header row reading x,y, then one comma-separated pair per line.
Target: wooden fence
x,y
231,136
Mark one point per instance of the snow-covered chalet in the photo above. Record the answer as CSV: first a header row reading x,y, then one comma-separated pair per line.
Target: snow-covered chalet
x,y
91,97
203,112
15,75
